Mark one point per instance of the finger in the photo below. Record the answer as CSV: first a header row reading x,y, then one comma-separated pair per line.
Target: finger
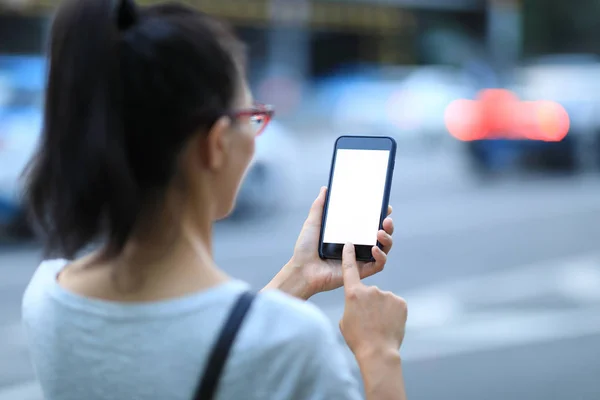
x,y
386,241
390,210
388,225
372,268
380,258
350,271
316,210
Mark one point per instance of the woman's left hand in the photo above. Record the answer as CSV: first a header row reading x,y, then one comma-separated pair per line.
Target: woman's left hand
x,y
307,274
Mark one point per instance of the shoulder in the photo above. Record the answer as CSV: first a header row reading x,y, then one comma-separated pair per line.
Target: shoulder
x,y
281,326
287,317
285,328
295,347
35,300
42,280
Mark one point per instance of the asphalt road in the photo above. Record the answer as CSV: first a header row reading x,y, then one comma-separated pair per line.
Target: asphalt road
x,y
502,281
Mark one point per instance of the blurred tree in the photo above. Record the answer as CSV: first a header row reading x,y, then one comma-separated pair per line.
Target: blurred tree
x,y
559,26
451,38
23,35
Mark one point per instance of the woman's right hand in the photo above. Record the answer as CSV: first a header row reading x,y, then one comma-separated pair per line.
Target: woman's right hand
x,y
374,321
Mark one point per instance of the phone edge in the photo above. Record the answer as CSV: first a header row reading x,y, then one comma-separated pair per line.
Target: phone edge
x,y
386,194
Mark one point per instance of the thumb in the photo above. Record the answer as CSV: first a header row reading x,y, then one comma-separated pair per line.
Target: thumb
x,y
316,210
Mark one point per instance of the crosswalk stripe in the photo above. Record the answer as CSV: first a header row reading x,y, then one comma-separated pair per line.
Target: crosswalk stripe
x,y
491,311
23,391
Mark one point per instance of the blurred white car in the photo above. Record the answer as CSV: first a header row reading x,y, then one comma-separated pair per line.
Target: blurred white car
x,y
19,134
404,102
572,80
271,181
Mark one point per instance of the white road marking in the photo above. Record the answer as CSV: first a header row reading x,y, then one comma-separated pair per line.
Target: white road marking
x,y
23,391
575,281
577,278
493,331
580,281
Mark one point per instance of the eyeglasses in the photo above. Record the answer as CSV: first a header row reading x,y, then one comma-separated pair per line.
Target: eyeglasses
x,y
260,115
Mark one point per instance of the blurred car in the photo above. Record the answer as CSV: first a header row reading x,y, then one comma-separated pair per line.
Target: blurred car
x,y
21,95
403,102
571,80
272,179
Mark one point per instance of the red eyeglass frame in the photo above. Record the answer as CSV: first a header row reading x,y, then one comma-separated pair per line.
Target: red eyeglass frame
x,y
261,110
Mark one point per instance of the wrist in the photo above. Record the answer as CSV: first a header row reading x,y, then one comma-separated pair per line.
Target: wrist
x,y
378,354
290,280
381,370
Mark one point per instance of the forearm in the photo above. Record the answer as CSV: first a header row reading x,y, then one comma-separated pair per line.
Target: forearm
x,y
382,375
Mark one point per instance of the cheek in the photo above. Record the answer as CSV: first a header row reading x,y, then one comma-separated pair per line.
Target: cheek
x,y
252,147
241,157
249,148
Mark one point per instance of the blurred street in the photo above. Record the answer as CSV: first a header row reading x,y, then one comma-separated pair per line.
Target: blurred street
x,y
494,105
502,280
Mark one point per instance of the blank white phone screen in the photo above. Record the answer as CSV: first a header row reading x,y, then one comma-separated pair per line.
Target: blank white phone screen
x,y
356,196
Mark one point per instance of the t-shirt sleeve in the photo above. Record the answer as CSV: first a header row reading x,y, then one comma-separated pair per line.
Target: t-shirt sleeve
x,y
328,372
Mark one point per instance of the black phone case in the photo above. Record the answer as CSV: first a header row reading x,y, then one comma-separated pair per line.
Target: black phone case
x,y
386,193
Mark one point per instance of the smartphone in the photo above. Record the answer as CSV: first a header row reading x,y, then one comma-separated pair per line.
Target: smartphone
x,y
358,194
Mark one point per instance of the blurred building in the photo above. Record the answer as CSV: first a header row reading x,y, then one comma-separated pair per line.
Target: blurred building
x,y
329,32
337,32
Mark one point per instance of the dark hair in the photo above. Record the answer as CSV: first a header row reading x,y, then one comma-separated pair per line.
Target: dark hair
x,y
127,88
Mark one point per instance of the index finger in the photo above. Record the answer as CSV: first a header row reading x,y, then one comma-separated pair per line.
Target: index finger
x,y
350,271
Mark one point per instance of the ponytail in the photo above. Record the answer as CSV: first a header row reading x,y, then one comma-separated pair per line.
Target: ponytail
x,y
80,183
127,89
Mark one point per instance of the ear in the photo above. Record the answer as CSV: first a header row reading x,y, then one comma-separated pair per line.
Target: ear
x,y
217,144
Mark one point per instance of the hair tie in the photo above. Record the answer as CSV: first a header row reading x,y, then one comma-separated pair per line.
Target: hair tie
x,y
127,14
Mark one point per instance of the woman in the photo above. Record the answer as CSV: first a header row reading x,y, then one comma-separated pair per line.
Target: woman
x,y
149,127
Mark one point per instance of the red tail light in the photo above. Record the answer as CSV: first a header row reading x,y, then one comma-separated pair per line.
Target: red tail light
x,y
498,113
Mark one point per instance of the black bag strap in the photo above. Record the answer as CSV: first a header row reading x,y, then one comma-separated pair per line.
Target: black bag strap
x,y
218,356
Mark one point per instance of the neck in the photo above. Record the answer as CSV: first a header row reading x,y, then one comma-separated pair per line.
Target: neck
x,y
173,259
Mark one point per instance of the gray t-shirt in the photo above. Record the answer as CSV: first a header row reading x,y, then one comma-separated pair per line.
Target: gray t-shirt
x,y
92,349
